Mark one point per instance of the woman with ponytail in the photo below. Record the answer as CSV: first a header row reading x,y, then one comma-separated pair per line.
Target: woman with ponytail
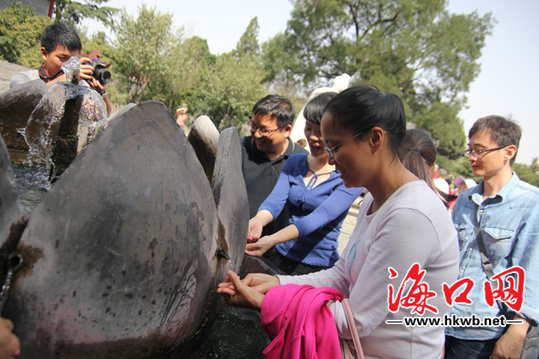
x,y
418,154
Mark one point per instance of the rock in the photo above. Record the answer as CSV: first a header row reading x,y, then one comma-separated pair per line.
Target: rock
x,y
204,138
122,257
16,106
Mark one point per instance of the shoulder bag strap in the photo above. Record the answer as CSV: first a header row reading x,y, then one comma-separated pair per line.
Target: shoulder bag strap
x,y
352,327
485,261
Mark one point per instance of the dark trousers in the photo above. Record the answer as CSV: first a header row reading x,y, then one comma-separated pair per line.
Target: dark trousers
x,y
468,349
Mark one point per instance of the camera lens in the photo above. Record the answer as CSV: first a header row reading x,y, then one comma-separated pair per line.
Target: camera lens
x,y
102,75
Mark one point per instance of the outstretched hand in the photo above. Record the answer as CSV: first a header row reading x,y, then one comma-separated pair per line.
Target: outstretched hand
x,y
257,249
237,294
255,230
261,282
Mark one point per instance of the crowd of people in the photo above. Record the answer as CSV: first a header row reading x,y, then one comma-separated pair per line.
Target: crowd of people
x,y
403,233
298,199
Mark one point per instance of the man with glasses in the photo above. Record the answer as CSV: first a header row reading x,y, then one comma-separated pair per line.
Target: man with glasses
x,y
265,152
499,218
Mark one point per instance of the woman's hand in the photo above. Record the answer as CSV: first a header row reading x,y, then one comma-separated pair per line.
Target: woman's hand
x,y
9,343
261,282
257,249
237,294
255,230
258,281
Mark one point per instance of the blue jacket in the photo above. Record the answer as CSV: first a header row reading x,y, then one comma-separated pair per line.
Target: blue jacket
x,y
317,211
510,230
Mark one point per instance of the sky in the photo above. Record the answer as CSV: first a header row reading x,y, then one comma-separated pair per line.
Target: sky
x,y
508,84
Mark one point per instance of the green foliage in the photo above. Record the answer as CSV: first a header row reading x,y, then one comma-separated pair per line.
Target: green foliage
x,y
248,44
72,12
461,167
529,174
413,48
228,90
441,120
232,84
97,42
152,60
20,30
458,167
278,64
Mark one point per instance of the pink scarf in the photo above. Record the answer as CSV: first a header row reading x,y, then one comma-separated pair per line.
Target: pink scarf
x,y
300,323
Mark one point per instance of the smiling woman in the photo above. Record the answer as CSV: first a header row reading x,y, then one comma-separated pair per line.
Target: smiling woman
x,y
401,223
318,203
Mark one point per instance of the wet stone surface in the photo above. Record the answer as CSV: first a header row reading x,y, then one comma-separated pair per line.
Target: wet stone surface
x,y
236,334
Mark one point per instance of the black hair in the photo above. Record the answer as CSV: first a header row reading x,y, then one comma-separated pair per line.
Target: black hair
x,y
314,109
420,141
502,131
277,107
60,34
360,108
418,154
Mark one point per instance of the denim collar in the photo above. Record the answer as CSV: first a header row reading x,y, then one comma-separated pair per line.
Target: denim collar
x,y
476,193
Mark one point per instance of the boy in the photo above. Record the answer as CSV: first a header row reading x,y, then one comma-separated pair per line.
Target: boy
x,y
58,43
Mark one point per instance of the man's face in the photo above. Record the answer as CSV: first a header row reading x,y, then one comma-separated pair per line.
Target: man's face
x,y
490,163
271,142
53,61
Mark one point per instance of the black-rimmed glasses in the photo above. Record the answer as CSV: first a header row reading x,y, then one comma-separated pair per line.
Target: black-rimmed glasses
x,y
262,131
480,153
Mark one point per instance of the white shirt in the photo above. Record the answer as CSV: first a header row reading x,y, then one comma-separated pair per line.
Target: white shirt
x,y
411,226
23,77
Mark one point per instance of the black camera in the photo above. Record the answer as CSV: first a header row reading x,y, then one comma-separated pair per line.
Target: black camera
x,y
101,73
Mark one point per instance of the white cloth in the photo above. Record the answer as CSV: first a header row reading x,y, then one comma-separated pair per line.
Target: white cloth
x,y
470,183
340,83
412,226
441,184
23,77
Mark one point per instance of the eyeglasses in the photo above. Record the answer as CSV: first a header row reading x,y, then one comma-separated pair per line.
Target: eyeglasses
x,y
331,151
262,131
480,153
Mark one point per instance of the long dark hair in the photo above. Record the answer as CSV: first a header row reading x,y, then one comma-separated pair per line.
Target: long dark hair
x,y
360,108
418,154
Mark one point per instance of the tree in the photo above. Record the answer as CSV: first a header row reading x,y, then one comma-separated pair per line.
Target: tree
x,y
229,90
97,41
248,44
151,58
232,84
20,29
530,173
72,12
415,49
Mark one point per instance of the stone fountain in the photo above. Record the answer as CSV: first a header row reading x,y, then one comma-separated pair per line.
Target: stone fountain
x,y
122,257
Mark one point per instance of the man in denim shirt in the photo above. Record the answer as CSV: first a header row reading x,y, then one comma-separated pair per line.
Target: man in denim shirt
x,y
508,212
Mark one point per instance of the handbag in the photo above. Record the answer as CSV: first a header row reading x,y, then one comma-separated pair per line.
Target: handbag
x,y
350,349
530,347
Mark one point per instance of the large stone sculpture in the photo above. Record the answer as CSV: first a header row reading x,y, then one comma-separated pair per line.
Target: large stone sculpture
x,y
122,257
